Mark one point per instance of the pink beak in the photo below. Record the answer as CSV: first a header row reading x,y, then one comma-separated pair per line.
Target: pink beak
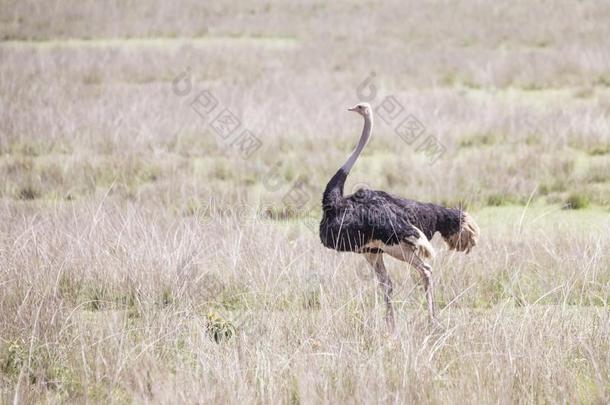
x,y
351,109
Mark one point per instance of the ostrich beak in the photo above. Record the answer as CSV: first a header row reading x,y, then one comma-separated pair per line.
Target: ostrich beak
x,y
352,109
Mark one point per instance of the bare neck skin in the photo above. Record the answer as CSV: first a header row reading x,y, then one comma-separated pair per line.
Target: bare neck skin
x,y
364,138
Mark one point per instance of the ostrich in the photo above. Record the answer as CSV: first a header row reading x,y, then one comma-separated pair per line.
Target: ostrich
x,y
372,223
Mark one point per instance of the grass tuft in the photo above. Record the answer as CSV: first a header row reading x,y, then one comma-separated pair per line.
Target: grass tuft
x,y
577,201
28,192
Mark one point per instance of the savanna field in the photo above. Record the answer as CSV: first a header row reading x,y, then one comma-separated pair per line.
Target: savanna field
x,y
161,171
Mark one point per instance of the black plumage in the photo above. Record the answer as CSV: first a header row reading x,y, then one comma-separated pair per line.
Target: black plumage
x,y
351,222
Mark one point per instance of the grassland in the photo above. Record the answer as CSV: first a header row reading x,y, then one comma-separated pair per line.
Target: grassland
x,y
144,259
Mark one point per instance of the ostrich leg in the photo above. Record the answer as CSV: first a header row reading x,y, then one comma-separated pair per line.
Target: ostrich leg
x,y
426,274
406,253
376,261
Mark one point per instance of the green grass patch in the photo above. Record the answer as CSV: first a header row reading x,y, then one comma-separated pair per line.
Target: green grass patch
x,y
477,140
577,201
498,200
599,150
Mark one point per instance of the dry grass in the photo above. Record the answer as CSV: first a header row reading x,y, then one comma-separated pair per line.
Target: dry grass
x,y
106,302
142,260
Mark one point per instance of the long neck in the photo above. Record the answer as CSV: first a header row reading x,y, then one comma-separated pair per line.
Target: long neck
x,y
334,188
364,138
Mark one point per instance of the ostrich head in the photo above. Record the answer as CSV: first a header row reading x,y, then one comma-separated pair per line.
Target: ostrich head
x,y
363,109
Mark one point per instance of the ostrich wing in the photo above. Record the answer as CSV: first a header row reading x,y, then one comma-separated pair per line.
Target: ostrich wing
x,y
380,216
369,216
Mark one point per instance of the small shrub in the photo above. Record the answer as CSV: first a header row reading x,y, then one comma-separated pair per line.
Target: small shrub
x,y
599,150
13,357
498,200
28,193
577,201
311,299
221,172
94,299
167,297
482,139
218,328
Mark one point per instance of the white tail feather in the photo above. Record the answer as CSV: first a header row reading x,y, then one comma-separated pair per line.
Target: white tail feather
x,y
423,247
466,238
